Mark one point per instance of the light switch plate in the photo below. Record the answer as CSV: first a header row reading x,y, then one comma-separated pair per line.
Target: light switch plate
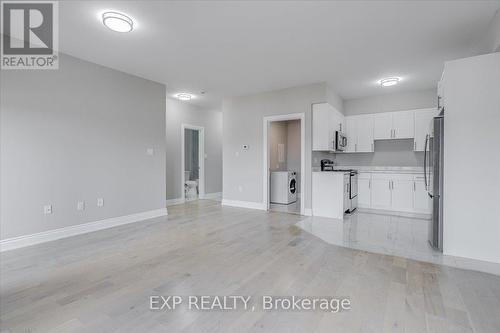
x,y
47,209
150,151
80,205
100,202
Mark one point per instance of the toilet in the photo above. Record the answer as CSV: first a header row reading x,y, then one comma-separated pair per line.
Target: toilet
x,y
190,187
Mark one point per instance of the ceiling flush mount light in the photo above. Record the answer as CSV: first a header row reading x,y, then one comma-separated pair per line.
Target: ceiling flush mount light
x,y
184,96
390,81
117,22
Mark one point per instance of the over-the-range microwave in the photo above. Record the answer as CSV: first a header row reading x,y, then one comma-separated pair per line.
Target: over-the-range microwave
x,y
340,141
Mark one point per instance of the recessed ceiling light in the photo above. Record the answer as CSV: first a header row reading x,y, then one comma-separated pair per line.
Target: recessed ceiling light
x,y
117,21
184,96
390,81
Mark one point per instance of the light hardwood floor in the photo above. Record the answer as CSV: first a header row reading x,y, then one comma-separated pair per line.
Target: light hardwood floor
x,y
101,282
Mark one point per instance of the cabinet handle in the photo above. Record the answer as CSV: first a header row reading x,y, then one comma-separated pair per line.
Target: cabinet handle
x,y
369,184
414,145
389,184
355,147
373,148
414,187
340,127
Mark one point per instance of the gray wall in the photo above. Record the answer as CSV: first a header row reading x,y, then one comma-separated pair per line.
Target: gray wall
x,y
179,113
243,124
388,152
78,133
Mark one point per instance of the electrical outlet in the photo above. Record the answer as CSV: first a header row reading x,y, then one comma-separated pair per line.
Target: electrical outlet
x,y
47,209
100,202
80,205
150,151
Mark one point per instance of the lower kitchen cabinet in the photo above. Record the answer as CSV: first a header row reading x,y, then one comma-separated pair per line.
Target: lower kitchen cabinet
x,y
402,193
394,192
364,190
422,201
381,191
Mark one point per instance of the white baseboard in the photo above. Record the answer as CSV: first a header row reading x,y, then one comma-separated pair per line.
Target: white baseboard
x,y
243,204
213,195
50,235
177,201
308,212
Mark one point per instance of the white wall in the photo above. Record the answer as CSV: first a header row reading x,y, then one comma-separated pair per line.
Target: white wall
x,y
243,124
418,99
472,158
78,133
179,113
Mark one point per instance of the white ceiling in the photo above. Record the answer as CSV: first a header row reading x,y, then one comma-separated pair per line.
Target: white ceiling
x,y
236,48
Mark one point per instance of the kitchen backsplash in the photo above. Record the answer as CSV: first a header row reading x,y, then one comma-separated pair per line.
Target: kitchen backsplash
x,y
387,153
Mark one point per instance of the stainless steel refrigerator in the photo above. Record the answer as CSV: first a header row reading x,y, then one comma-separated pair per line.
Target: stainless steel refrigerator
x,y
433,172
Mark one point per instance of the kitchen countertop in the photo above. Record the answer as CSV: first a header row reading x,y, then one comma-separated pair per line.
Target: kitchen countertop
x,y
377,169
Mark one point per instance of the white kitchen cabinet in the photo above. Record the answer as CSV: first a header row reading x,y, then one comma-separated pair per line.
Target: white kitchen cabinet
x,y
364,190
402,191
423,127
393,125
364,143
382,126
337,121
359,132
381,191
403,124
323,132
422,203
326,121
351,134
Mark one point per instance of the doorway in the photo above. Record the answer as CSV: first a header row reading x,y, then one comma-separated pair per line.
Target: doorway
x,y
193,162
284,163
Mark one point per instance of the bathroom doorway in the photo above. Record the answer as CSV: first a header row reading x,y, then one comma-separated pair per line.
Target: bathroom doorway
x,y
192,160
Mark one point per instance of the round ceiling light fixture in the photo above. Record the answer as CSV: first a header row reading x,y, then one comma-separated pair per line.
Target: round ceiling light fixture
x,y
184,96
117,21
389,81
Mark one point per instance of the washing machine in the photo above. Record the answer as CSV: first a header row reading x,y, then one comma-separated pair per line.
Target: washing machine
x,y
283,187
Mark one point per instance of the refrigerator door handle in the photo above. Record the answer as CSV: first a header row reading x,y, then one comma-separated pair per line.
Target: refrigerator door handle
x,y
425,161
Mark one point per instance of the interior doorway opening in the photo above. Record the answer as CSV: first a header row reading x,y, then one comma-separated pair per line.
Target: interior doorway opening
x,y
192,160
284,163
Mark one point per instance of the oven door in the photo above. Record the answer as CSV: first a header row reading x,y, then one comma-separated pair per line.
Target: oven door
x,y
353,193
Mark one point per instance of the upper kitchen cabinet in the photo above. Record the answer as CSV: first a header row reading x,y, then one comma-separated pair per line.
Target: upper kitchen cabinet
x,y
382,126
393,125
423,127
403,125
359,131
326,120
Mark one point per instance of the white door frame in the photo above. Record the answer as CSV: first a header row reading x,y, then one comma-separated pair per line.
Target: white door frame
x,y
201,158
265,176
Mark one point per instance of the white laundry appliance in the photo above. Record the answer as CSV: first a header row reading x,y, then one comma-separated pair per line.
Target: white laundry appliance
x,y
283,187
